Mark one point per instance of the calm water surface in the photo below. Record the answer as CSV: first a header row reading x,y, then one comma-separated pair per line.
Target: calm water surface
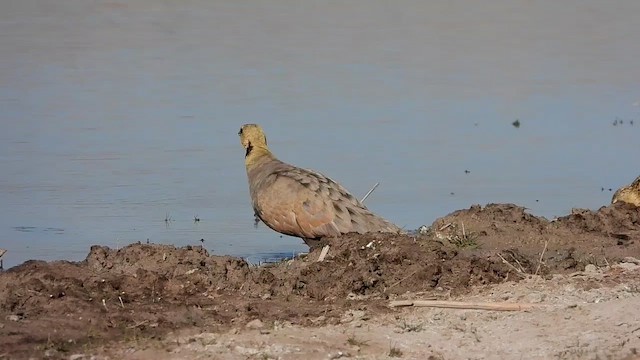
x,y
117,115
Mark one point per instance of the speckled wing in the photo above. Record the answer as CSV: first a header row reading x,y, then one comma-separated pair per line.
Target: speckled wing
x,y
307,204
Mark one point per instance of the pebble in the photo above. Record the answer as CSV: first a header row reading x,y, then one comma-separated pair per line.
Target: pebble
x,y
356,324
535,297
631,260
627,266
13,317
254,324
319,320
339,354
352,315
50,353
279,325
590,268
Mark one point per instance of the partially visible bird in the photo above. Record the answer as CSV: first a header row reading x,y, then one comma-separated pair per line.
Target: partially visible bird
x,y
300,202
629,194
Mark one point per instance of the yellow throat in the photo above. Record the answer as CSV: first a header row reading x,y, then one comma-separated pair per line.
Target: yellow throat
x,y
254,141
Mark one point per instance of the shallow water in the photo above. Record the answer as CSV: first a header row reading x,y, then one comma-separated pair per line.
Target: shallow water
x,y
119,115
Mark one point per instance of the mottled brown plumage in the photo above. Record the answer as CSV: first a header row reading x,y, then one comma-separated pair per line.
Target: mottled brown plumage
x,y
629,194
299,202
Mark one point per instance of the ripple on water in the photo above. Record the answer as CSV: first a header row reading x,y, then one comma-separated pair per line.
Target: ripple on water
x,y
54,230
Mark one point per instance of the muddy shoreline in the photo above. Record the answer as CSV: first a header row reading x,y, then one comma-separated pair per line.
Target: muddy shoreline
x,y
146,293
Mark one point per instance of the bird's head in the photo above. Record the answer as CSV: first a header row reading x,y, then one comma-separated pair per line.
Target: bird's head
x,y
251,135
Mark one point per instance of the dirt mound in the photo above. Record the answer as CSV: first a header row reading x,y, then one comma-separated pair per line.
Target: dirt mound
x,y
140,272
151,272
380,266
536,245
112,294
148,290
619,218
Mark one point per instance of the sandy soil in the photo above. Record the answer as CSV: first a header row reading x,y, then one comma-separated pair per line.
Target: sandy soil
x,y
578,274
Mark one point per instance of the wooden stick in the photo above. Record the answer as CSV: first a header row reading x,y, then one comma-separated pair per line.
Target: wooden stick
x,y
463,305
323,253
445,226
546,243
2,252
518,271
369,193
517,262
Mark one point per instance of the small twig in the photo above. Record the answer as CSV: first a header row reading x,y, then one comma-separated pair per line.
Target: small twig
x,y
546,243
464,234
369,193
121,303
517,262
2,252
104,303
401,280
463,305
323,253
445,226
137,324
518,271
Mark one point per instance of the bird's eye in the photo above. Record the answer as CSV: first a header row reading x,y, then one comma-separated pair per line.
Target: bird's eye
x,y
240,132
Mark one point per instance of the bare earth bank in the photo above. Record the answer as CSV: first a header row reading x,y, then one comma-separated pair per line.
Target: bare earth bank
x,y
147,301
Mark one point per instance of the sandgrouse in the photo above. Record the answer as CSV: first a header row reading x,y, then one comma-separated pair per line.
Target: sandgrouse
x,y
300,202
629,194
